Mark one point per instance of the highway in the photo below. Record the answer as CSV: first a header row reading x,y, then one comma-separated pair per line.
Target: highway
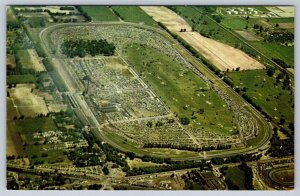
x,y
96,127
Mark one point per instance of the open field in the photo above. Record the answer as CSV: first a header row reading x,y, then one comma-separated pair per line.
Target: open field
x,y
283,11
100,13
286,25
216,52
14,144
30,60
27,102
274,50
248,36
263,92
137,163
21,79
167,17
13,140
139,16
205,25
10,15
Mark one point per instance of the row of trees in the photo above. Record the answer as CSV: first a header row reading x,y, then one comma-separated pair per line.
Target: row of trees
x,y
248,175
236,159
87,17
163,168
81,48
189,148
281,148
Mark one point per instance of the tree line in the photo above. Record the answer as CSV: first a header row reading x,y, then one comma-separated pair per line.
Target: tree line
x,y
81,48
189,148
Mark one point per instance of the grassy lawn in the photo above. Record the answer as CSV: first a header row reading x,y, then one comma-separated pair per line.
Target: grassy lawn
x,y
281,20
30,126
262,90
274,50
24,57
237,176
134,14
234,23
182,90
100,13
21,79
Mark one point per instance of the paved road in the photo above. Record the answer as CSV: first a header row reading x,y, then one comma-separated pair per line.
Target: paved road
x,y
86,111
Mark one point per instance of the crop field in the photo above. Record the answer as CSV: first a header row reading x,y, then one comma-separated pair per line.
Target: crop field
x,y
30,60
206,26
167,17
13,139
27,102
100,13
139,16
263,91
216,52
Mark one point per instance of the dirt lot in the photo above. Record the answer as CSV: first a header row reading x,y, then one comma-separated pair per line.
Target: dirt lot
x,y
36,63
216,52
27,102
166,16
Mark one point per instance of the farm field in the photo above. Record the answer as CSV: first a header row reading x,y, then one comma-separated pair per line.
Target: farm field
x,y
13,139
100,13
27,102
202,22
212,50
139,16
21,79
263,92
30,60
